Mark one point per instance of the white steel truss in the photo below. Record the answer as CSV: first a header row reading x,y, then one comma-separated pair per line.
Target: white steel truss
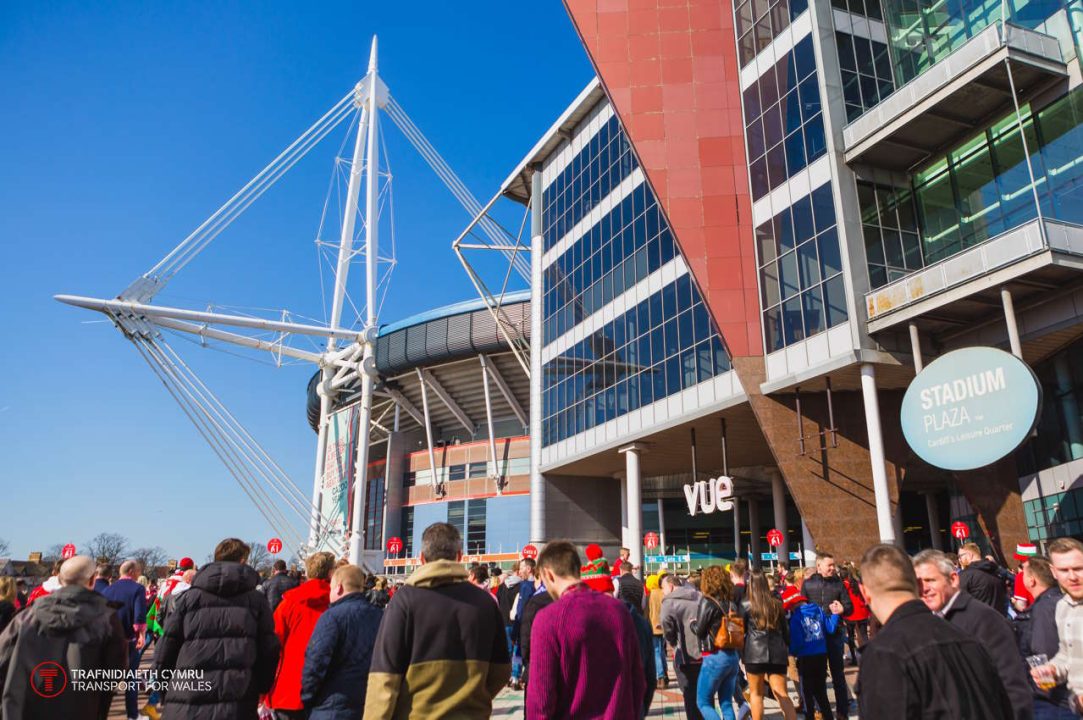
x,y
348,354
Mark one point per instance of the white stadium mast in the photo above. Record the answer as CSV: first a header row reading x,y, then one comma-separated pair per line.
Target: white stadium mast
x,y
348,355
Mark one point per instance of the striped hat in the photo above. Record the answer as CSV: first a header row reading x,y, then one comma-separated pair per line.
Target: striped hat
x,y
1025,551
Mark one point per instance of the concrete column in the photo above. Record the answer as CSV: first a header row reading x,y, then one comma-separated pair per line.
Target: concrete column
x,y
807,542
737,526
624,541
537,248
876,454
915,348
661,528
754,529
778,496
897,524
1069,406
1009,320
934,520
635,501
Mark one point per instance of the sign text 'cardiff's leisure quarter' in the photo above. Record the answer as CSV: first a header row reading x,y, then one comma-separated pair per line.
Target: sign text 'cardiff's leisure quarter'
x,y
970,408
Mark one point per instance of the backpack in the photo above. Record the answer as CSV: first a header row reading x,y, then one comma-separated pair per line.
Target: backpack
x,y
731,631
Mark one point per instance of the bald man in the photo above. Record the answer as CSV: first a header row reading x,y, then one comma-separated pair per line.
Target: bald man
x,y
74,629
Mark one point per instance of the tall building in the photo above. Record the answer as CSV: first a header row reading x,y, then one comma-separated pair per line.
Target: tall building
x,y
757,226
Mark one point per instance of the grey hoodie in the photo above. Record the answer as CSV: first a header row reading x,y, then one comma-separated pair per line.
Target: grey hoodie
x,y
678,612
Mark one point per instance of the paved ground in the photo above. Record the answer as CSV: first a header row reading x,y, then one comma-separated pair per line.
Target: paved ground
x,y
509,704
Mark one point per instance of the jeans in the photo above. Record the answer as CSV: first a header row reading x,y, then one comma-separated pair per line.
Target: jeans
x,y
516,658
836,648
131,692
813,669
717,677
659,657
687,679
1048,711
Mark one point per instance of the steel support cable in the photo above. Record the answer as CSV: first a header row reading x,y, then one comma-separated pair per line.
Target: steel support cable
x,y
228,445
206,232
241,439
205,430
496,234
221,443
302,504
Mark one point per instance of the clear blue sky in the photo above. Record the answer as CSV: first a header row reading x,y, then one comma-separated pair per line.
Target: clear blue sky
x,y
124,126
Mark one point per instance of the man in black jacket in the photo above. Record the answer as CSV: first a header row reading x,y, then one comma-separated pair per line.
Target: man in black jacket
x,y
221,628
939,586
277,585
1037,632
982,579
919,667
71,629
339,651
630,589
825,588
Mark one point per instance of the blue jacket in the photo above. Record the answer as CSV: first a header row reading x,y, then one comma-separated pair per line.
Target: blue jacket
x,y
337,660
131,600
808,625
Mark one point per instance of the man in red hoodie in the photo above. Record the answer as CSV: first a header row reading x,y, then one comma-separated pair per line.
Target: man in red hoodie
x,y
295,618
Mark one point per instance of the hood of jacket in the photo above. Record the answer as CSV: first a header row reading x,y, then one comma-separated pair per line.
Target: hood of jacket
x,y
69,609
989,568
438,572
51,585
684,593
314,593
512,580
226,579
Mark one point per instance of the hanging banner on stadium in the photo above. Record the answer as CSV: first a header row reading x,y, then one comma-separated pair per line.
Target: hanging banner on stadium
x,y
970,408
338,469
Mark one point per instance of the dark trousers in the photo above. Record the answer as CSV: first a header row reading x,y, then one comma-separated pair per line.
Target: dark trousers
x,y
836,648
687,677
131,692
813,669
291,714
1048,711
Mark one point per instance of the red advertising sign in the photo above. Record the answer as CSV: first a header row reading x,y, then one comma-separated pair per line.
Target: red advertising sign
x,y
775,537
960,530
394,545
650,540
530,552
274,546
67,552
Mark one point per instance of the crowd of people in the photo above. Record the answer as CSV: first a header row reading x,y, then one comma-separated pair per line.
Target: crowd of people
x,y
935,636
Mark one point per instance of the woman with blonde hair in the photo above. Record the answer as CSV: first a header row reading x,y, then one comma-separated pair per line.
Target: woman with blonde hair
x,y
766,651
718,674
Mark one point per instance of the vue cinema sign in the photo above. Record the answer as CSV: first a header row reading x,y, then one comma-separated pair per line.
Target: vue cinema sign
x,y
970,408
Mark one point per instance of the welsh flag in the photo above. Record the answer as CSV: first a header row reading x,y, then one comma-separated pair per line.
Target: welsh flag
x,y
152,617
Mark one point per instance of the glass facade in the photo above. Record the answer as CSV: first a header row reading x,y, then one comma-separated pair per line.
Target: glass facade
x,y
625,246
784,125
488,525
868,8
801,283
758,22
662,345
1054,516
921,33
866,72
981,189
374,510
1059,439
590,176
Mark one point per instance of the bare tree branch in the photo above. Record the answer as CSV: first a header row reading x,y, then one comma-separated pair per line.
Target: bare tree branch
x,y
108,548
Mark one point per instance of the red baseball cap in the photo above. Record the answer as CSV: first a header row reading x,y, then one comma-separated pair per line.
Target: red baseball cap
x,y
186,563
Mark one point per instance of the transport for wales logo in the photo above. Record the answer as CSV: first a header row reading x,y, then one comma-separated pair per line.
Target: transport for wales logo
x,y
48,679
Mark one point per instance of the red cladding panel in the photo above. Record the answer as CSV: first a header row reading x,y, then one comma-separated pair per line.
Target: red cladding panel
x,y
670,70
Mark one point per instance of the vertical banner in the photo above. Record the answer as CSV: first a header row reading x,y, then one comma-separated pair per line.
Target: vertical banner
x,y
338,470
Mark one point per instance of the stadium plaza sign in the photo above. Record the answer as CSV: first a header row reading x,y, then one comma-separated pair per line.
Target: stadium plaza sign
x,y
709,496
971,407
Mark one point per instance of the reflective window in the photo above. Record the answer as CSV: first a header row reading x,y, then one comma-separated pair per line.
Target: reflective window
x,y
802,289
374,513
759,22
869,8
978,190
866,72
783,123
599,167
1059,436
408,532
661,346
